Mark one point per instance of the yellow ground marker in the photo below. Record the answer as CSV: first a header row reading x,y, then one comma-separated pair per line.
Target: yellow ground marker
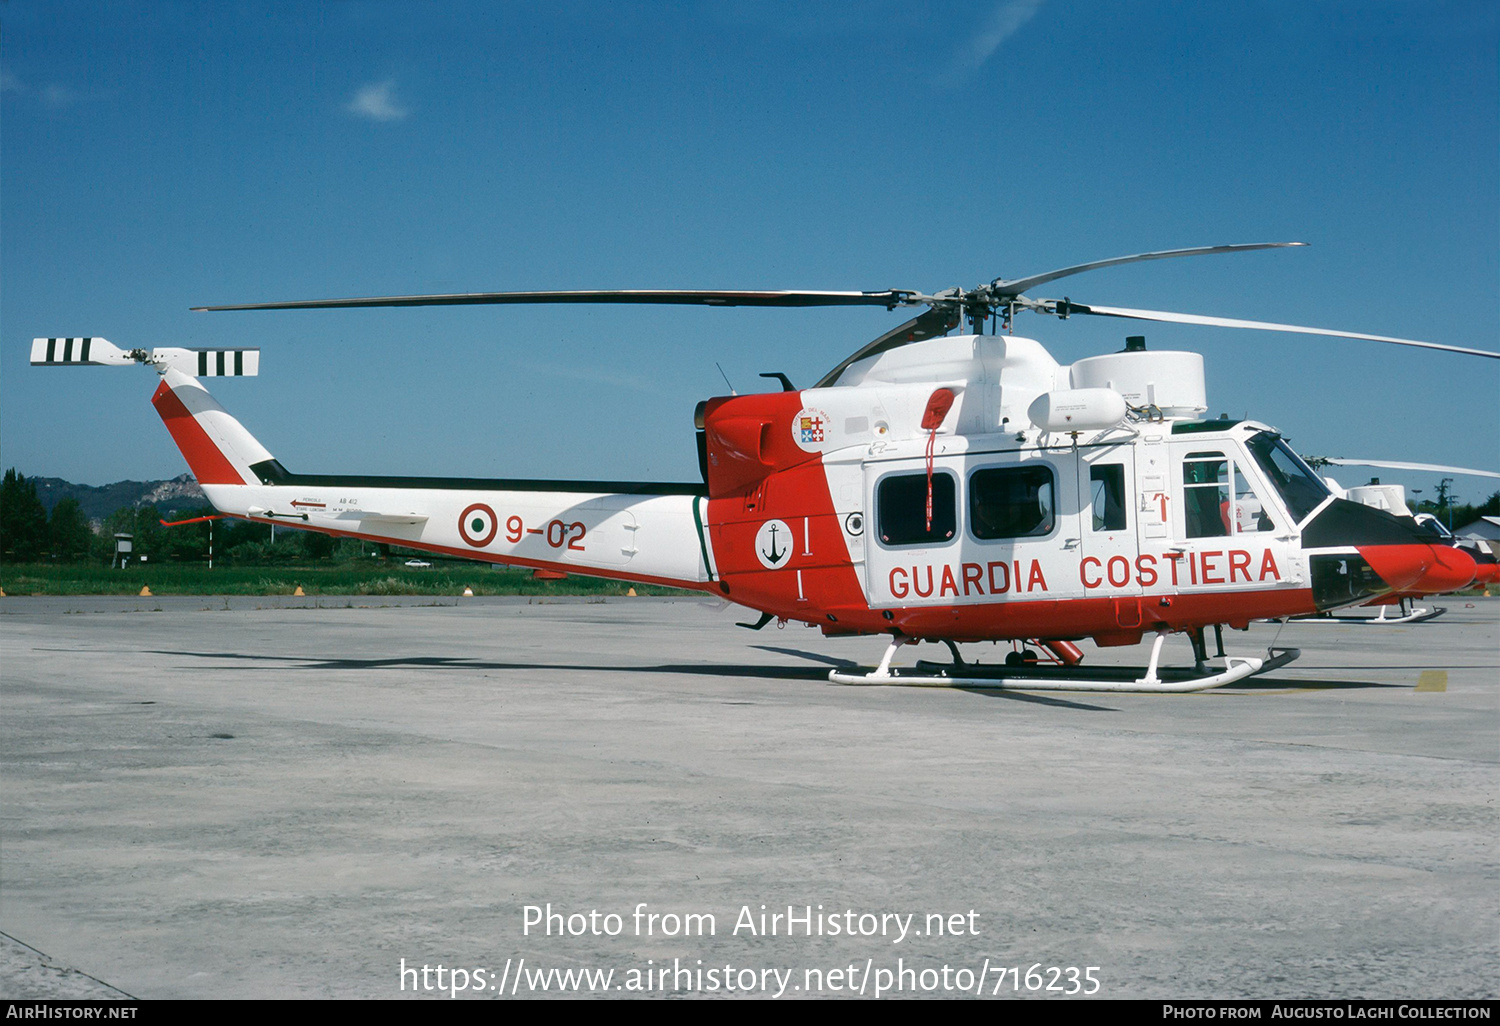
x,y
299,593
468,592
630,593
1433,680
145,591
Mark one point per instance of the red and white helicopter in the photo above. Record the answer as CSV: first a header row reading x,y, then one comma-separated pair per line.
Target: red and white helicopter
x,y
1392,498
931,487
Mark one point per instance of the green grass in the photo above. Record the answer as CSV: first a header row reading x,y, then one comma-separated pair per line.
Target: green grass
x,y
336,579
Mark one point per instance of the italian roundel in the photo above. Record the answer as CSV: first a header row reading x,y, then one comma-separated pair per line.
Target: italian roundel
x,y
477,525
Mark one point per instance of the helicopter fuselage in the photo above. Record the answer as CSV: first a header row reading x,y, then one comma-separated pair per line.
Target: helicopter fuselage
x,y
962,488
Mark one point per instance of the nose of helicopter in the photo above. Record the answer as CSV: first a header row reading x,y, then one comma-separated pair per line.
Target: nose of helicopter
x,y
1390,554
1486,568
1420,569
1453,569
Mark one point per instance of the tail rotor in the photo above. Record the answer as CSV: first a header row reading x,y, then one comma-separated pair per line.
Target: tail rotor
x,y
99,352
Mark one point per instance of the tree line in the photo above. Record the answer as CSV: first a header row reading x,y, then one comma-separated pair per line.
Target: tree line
x,y
29,534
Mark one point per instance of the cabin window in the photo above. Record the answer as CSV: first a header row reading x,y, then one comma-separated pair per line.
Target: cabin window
x,y
1107,482
1218,500
1011,502
901,502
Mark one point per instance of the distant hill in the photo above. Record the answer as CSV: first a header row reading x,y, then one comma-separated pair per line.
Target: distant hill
x,y
99,501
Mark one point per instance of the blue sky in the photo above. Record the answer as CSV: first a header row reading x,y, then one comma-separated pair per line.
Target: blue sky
x,y
155,156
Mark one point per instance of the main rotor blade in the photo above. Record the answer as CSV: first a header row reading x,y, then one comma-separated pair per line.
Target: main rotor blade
x,y
890,299
1394,465
1016,286
1069,307
930,323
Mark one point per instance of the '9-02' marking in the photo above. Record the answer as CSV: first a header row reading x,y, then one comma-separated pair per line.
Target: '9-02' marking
x,y
557,533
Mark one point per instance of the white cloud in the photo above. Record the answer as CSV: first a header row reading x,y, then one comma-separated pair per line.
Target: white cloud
x,y
377,102
60,96
51,95
1004,21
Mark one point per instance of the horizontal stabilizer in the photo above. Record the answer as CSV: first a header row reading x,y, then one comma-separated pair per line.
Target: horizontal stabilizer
x,y
98,352
367,516
381,518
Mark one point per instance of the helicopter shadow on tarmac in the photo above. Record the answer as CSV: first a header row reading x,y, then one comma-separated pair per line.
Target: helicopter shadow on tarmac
x,y
1261,687
461,663
787,673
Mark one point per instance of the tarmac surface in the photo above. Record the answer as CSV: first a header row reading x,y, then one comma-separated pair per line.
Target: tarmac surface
x,y
213,798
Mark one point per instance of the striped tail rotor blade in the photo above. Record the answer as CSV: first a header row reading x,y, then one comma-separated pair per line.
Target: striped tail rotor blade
x,y
77,352
209,363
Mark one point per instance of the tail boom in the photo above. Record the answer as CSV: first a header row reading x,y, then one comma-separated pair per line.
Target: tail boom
x,y
643,538
650,533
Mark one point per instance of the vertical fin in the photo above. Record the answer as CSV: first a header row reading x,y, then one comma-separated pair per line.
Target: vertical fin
x,y
217,447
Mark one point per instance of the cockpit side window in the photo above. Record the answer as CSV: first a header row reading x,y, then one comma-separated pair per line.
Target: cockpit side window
x,y
1218,500
1301,489
1205,494
1249,513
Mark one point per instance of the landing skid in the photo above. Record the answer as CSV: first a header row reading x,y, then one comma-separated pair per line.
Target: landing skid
x,y
1407,615
1154,680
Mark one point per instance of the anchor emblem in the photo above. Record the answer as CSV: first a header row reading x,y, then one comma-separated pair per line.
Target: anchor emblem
x,y
772,544
773,555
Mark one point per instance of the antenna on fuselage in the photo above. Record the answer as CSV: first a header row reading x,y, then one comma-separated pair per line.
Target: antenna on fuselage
x,y
726,378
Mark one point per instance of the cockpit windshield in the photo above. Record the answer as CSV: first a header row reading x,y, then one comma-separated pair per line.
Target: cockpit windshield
x,y
1432,525
1301,489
